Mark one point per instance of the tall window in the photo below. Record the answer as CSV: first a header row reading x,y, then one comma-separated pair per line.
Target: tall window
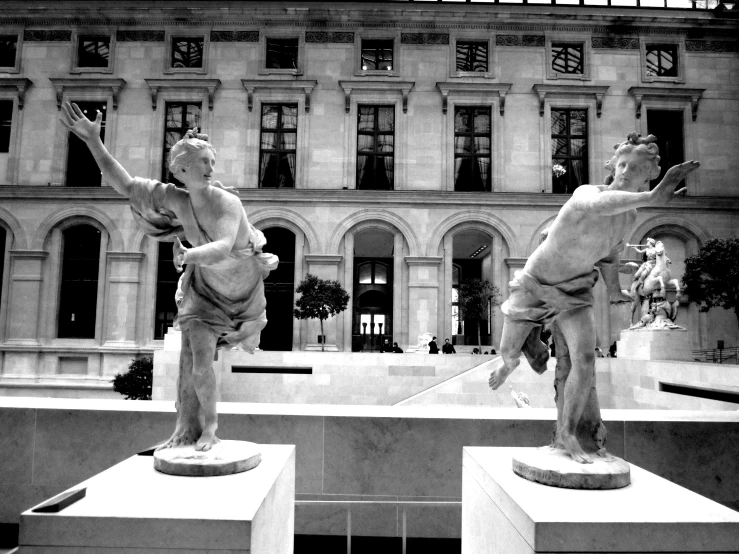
x,y
377,54
279,291
93,51
78,293
6,117
277,146
180,118
187,53
472,56
82,169
567,58
3,238
8,50
375,147
569,149
282,53
667,126
167,277
661,60
472,149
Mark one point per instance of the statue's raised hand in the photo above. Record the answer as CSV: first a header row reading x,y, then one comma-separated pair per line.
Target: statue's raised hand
x,y
74,120
665,190
178,255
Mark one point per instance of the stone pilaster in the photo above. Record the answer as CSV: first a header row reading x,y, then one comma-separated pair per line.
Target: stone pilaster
x,y
122,293
24,294
423,296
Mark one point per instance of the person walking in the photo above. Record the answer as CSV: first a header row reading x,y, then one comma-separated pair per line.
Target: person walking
x,y
433,348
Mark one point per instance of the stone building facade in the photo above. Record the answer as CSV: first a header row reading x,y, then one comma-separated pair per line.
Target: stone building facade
x,y
397,147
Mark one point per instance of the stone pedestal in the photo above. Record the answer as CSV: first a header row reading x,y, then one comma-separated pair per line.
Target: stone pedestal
x,y
655,344
505,514
133,508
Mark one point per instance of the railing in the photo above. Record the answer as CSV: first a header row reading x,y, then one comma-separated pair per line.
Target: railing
x,y
718,356
671,4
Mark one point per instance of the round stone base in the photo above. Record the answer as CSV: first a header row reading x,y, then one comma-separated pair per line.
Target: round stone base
x,y
225,458
554,467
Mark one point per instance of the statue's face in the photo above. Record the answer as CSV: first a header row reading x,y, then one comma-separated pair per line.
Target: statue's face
x,y
198,172
632,172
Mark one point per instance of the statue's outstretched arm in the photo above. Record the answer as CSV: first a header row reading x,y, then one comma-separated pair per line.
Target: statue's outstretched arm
x,y
89,132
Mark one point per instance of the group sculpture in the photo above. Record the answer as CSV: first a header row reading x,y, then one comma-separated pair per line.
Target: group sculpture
x,y
555,288
650,307
220,296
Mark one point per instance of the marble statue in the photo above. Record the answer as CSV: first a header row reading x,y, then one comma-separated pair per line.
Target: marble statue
x,y
649,290
556,287
221,294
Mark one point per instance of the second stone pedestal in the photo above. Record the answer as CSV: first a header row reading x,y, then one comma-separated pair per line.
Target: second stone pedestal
x,y
503,513
133,508
655,344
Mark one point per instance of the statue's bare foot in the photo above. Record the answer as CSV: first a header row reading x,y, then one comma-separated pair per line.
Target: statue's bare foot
x,y
182,436
498,376
206,441
574,449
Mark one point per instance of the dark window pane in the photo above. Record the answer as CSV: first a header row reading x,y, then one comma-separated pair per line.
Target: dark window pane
x,y
577,147
472,56
8,50
93,51
462,121
82,169
569,150
661,60
567,58
667,126
282,53
386,119
278,146
180,118
366,142
578,122
559,147
79,282
187,53
6,117
462,145
472,149
482,121
380,274
365,274
377,54
366,118
482,145
375,147
559,122
167,278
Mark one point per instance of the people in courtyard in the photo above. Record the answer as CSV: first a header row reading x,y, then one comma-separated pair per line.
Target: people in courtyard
x,y
397,349
558,279
221,294
433,347
448,348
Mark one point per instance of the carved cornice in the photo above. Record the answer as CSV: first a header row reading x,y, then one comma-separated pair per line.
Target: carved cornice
x,y
341,37
130,35
424,38
19,84
424,260
319,259
536,41
617,43
207,86
692,95
234,36
515,263
86,83
494,89
253,85
43,35
571,90
30,254
403,87
711,46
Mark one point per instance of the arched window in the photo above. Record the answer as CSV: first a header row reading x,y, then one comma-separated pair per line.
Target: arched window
x,y
79,282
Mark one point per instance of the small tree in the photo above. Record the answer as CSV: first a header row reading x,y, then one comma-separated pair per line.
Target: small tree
x,y
320,300
135,384
474,295
711,277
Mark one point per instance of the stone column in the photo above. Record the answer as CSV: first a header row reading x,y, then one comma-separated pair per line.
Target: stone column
x,y
324,267
298,275
445,321
122,294
24,294
423,296
347,316
398,328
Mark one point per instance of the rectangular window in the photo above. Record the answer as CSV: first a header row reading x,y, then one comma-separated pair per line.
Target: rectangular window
x,y
569,149
180,118
375,147
472,56
661,60
279,135
6,117
667,126
472,149
187,52
567,58
377,54
93,51
8,50
167,278
79,282
282,53
82,169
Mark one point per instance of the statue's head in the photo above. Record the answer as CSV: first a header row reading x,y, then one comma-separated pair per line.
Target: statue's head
x,y
182,152
635,144
651,242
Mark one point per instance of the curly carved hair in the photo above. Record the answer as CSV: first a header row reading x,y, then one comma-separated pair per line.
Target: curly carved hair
x,y
645,146
182,152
